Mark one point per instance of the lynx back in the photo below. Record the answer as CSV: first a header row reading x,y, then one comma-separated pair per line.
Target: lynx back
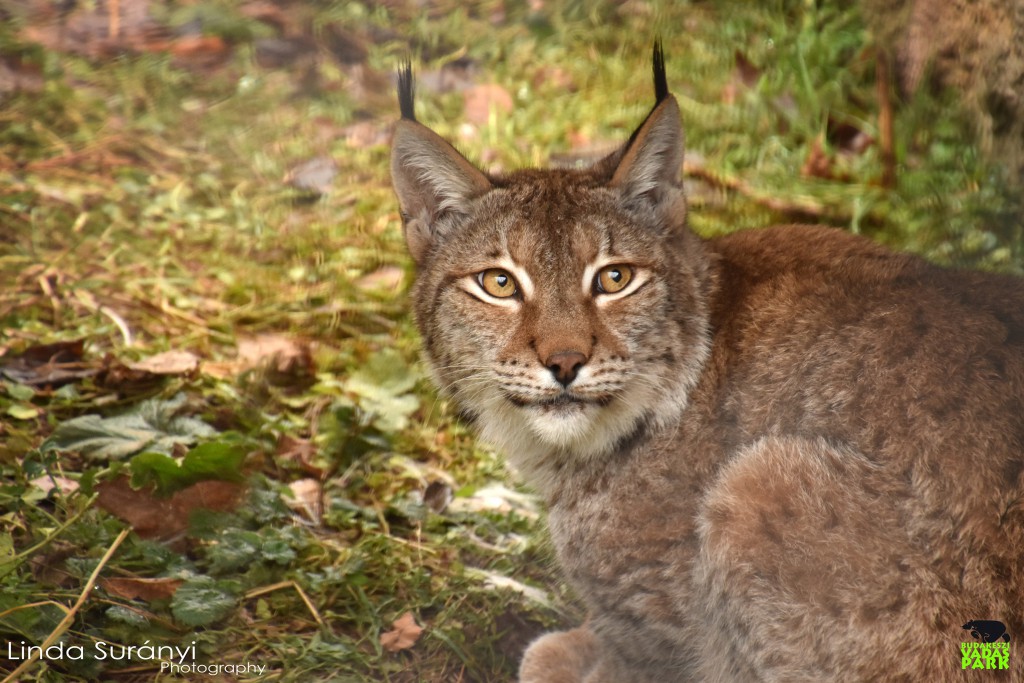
x,y
787,454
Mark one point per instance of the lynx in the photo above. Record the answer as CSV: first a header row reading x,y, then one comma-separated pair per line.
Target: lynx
x,y
786,454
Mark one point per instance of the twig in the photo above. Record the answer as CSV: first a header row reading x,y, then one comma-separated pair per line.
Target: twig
x,y
65,623
883,88
801,205
89,301
256,592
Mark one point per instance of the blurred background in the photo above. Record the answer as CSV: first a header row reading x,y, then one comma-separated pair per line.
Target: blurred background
x,y
204,330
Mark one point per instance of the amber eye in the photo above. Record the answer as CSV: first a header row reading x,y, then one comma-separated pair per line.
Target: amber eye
x,y
497,283
611,279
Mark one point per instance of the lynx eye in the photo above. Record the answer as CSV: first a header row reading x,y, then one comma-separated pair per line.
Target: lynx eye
x,y
498,283
611,279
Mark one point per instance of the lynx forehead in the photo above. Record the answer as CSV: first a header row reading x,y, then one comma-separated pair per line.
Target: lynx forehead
x,y
783,455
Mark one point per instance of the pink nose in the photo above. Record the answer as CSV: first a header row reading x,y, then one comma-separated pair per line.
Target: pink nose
x,y
565,365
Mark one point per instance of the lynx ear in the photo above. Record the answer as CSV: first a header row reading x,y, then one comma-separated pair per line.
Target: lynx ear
x,y
432,180
648,172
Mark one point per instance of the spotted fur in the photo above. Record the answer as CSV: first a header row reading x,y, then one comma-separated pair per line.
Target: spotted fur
x,y
783,455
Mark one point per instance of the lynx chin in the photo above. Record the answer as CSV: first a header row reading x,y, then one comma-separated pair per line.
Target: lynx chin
x,y
787,454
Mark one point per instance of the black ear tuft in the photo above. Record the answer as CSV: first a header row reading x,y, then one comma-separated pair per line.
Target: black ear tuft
x,y
660,80
660,84
406,91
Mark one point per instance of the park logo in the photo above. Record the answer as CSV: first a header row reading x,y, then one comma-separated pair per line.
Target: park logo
x,y
990,648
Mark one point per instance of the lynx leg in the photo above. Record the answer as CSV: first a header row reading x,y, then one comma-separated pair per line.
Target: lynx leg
x,y
560,657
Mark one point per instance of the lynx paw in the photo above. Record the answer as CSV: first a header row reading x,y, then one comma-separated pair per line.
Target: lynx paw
x,y
561,657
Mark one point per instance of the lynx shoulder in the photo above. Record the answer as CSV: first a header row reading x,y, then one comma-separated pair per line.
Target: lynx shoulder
x,y
788,454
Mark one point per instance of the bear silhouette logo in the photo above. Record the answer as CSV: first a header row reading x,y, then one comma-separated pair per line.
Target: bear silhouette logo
x,y
988,631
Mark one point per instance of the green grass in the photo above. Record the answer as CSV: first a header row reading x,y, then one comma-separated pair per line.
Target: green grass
x,y
143,209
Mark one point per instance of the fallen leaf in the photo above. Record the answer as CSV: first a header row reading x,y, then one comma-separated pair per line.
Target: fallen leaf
x,y
48,364
299,450
307,498
23,412
482,100
288,362
152,426
817,164
280,354
168,363
115,375
142,589
164,519
47,483
403,634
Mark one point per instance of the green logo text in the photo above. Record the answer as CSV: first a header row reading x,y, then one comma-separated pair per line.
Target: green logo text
x,y
985,655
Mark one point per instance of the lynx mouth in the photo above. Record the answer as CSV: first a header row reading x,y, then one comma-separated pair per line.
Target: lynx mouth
x,y
561,401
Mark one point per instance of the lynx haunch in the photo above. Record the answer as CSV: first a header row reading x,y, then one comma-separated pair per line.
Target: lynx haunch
x,y
786,454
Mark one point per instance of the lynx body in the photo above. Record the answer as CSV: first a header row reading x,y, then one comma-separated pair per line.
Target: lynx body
x,y
783,455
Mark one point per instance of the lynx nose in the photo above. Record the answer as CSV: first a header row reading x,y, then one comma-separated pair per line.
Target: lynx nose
x,y
564,365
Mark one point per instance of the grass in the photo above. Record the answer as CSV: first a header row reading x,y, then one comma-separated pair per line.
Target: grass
x,y
144,208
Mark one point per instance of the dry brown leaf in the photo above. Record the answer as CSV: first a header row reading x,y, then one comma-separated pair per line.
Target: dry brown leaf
x,y
301,451
288,362
48,364
142,589
403,634
164,518
254,351
481,100
307,498
168,363
113,374
818,164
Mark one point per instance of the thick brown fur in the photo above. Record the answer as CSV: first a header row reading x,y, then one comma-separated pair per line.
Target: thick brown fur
x,y
784,455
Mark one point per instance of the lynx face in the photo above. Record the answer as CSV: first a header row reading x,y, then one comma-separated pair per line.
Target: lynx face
x,y
561,309
555,331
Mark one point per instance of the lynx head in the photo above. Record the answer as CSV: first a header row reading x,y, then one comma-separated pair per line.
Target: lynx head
x,y
564,310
